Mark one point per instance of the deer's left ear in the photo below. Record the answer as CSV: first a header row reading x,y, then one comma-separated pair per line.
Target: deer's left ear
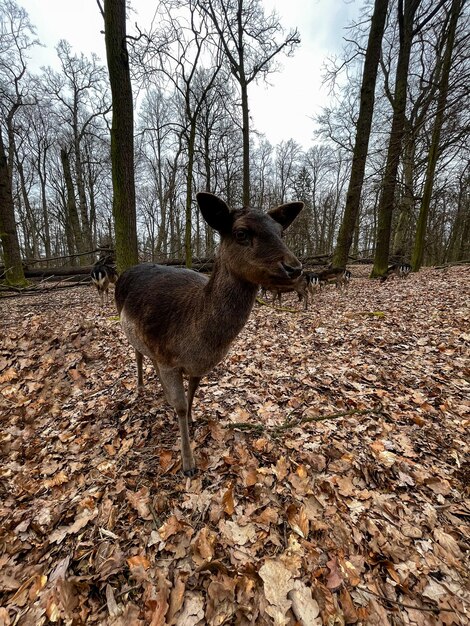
x,y
215,211
285,214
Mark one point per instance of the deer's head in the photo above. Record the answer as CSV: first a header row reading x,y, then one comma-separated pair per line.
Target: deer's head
x,y
251,243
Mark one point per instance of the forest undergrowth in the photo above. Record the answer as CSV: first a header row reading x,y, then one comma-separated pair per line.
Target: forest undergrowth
x,y
333,465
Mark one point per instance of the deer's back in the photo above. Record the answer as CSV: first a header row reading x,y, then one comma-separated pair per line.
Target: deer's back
x,y
160,309
149,289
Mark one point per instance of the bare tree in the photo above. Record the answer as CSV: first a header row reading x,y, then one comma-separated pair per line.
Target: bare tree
x,y
122,133
16,39
446,65
407,11
250,42
363,129
180,53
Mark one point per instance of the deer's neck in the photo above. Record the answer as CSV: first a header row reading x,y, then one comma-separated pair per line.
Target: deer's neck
x,y
228,303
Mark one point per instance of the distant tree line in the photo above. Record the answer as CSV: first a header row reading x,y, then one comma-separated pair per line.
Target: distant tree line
x,y
387,174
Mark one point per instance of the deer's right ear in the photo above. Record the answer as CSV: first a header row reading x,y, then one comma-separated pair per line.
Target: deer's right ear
x,y
215,211
285,214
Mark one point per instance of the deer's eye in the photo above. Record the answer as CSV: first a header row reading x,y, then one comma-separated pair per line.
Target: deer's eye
x,y
242,236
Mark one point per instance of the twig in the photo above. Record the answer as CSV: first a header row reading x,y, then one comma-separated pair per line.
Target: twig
x,y
403,605
454,263
323,418
276,308
301,420
37,291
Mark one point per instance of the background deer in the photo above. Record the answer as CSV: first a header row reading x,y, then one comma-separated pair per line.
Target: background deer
x,y
306,284
397,269
102,275
185,322
338,276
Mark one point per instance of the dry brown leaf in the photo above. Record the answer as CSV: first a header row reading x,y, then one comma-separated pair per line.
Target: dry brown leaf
x,y
282,469
447,542
166,460
171,527
305,608
298,520
82,519
335,577
140,500
221,604
227,500
278,582
236,534
177,595
192,612
113,609
203,546
139,560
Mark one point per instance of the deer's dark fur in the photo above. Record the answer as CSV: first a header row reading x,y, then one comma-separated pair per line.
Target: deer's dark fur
x,y
185,322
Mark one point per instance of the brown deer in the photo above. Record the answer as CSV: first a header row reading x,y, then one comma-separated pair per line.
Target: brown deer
x,y
103,274
306,284
185,322
397,269
338,276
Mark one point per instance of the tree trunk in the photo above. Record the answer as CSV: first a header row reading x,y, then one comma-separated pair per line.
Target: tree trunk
x,y
189,194
33,244
45,214
246,143
71,214
82,203
122,134
363,128
385,212
464,249
458,226
418,251
400,240
13,273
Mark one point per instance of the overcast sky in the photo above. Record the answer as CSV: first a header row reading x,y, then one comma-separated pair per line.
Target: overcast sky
x,y
281,110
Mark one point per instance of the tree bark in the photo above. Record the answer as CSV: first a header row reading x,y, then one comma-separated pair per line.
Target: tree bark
x,y
189,193
82,203
122,134
73,231
363,129
13,272
45,213
401,238
384,222
418,250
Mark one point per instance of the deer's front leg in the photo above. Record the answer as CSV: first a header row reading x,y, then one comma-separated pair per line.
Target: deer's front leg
x,y
192,386
172,382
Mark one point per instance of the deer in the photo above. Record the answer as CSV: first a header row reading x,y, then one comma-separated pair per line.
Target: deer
x,y
397,269
103,274
339,276
185,322
306,284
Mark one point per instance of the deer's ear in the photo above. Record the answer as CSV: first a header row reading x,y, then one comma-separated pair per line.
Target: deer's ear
x,y
285,214
215,211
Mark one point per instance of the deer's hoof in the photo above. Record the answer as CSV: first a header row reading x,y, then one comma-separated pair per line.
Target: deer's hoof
x,y
190,472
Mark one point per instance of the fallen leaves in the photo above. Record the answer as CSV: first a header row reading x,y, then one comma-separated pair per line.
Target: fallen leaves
x,y
333,454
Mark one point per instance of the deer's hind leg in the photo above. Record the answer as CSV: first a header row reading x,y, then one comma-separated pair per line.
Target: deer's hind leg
x,y
140,377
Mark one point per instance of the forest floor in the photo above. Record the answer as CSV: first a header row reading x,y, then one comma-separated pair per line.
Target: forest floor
x,y
333,456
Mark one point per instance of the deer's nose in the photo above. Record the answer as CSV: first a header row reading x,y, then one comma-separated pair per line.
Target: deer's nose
x,y
292,272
